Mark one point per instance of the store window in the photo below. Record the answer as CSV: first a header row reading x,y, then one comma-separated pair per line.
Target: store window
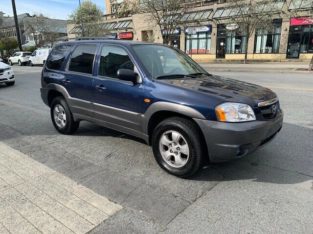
x,y
236,42
199,43
267,41
300,37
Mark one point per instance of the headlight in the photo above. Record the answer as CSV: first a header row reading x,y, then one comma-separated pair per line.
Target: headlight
x,y
234,112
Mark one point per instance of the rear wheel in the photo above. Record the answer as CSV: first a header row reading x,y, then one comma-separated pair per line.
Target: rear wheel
x,y
62,117
176,144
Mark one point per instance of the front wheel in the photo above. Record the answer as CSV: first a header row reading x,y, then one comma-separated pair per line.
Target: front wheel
x,y
176,144
10,63
19,63
62,117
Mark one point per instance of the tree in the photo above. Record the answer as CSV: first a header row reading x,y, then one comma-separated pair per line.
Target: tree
x,y
88,16
248,16
42,29
8,44
126,8
165,13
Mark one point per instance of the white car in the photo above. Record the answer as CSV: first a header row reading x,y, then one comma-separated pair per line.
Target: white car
x,y
19,58
39,56
6,74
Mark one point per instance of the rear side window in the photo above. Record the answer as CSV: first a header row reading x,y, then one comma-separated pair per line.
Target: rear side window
x,y
82,59
112,59
57,56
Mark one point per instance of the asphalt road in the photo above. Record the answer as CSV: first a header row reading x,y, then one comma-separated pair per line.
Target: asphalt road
x,y
270,191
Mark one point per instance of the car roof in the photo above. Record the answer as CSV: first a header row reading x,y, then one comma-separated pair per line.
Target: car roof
x,y
111,41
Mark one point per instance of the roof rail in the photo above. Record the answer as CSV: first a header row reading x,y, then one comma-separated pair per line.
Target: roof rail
x,y
106,37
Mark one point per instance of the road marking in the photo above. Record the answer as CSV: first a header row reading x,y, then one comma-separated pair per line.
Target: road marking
x,y
35,198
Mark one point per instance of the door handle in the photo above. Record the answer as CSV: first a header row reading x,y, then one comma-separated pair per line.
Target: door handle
x,y
66,81
101,87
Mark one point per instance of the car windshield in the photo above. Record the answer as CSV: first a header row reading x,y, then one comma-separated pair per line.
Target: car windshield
x,y
163,62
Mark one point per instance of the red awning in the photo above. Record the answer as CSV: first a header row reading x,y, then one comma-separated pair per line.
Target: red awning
x,y
301,21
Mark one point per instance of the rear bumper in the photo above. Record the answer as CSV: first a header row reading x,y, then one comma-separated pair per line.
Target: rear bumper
x,y
226,141
44,95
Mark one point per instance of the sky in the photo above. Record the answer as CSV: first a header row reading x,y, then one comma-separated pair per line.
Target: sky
x,y
58,9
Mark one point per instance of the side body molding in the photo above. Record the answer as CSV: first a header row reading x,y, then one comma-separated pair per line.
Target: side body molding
x,y
168,106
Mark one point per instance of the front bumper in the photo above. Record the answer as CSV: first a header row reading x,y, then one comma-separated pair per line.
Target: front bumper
x,y
7,76
226,141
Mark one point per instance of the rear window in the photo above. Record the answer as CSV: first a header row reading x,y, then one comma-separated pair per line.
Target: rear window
x,y
57,56
82,58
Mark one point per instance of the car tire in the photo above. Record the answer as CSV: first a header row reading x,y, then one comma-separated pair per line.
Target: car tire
x,y
62,117
177,146
19,63
10,63
31,63
11,83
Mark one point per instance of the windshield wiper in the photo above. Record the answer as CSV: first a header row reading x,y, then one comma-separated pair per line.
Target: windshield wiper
x,y
172,76
199,74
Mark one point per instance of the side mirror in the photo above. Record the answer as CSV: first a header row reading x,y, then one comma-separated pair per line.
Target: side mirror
x,y
127,75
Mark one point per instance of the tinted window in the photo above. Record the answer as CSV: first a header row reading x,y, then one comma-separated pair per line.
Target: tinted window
x,y
82,59
57,56
112,59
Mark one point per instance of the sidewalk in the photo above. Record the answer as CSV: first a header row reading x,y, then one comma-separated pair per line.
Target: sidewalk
x,y
258,67
36,199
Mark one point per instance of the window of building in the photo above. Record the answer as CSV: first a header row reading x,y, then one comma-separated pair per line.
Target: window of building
x,y
199,43
267,40
112,59
306,45
236,42
82,59
57,56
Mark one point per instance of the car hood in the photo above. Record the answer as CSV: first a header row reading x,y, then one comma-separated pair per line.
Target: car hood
x,y
229,89
3,65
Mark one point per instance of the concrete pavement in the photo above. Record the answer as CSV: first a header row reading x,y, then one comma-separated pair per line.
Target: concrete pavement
x,y
36,199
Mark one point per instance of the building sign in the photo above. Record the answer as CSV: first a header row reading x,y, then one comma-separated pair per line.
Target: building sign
x,y
232,27
301,21
126,35
166,32
195,30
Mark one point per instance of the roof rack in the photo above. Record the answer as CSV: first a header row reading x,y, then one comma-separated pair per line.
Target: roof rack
x,y
106,37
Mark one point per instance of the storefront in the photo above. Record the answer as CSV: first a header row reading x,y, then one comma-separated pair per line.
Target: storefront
x,y
300,37
267,40
231,39
198,40
173,37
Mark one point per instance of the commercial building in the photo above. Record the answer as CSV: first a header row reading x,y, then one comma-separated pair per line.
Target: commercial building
x,y
207,34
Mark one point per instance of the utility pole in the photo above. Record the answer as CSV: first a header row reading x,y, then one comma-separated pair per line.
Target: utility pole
x,y
17,28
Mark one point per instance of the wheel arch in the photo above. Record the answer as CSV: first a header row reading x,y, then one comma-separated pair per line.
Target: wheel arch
x,y
56,90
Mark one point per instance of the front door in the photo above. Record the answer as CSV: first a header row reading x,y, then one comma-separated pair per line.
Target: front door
x,y
221,47
117,103
293,50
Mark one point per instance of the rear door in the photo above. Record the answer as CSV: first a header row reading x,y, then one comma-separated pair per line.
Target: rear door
x,y
79,77
115,101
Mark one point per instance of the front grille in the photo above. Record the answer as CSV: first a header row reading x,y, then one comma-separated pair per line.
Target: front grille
x,y
270,111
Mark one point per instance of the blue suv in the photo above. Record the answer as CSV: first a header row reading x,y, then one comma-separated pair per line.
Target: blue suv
x,y
159,94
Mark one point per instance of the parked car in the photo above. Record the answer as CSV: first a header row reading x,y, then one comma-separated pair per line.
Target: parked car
x,y
6,74
161,95
20,58
39,56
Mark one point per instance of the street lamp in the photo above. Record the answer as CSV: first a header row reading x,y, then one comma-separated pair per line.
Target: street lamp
x,y
17,28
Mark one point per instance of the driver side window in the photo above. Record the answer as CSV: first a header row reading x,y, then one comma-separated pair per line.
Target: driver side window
x,y
112,59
